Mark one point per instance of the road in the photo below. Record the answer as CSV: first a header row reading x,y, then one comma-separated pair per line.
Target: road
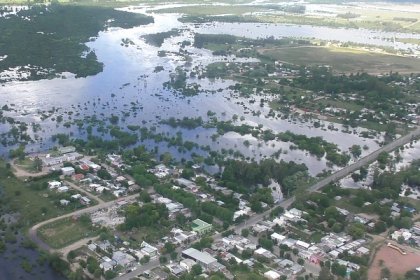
x,y
34,229
88,194
286,203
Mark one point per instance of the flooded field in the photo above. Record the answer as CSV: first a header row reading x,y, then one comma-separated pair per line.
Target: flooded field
x,y
129,87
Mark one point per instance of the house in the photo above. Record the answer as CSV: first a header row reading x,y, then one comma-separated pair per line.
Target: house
x,y
272,275
264,253
149,250
123,259
84,200
64,202
278,237
362,251
201,227
54,185
78,177
184,182
401,233
76,196
187,264
67,171
63,189
302,245
106,266
176,269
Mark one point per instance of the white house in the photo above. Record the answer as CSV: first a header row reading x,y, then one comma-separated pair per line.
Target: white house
x,y
272,275
54,185
64,202
67,171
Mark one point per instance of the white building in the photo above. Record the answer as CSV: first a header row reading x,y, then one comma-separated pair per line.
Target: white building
x,y
67,171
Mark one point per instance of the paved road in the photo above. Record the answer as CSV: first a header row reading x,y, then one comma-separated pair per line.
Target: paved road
x,y
286,203
33,230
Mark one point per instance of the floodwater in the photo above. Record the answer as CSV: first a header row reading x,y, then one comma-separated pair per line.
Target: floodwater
x,y
11,260
129,88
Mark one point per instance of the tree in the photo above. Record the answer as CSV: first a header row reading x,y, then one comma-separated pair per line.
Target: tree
x,y
71,255
325,274
110,274
356,230
145,259
338,269
196,269
145,197
356,151
245,232
163,259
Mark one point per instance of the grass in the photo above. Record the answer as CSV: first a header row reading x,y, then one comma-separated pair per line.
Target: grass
x,y
211,10
412,201
27,165
107,196
408,40
32,204
345,59
65,232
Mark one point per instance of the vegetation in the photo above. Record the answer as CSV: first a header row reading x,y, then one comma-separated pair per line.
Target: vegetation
x,y
52,41
67,231
157,39
243,176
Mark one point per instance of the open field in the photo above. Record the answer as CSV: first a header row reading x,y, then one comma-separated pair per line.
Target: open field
x,y
66,231
345,59
397,263
34,202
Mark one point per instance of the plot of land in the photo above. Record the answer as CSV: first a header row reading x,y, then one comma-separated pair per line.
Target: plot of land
x,y
397,263
345,59
65,232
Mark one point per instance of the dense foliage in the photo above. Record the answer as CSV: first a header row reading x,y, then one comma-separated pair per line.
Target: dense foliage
x,y
52,38
243,176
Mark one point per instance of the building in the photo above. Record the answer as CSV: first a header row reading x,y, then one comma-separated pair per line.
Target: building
x,y
149,250
67,171
202,258
123,259
63,189
201,227
272,275
54,185
84,200
66,150
187,264
64,202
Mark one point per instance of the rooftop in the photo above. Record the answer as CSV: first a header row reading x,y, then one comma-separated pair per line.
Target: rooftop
x,y
199,256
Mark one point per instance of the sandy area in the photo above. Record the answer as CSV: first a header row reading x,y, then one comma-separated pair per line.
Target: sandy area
x,y
397,263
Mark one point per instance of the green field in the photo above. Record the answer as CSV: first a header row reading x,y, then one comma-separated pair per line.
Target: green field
x,y
34,204
345,59
65,232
